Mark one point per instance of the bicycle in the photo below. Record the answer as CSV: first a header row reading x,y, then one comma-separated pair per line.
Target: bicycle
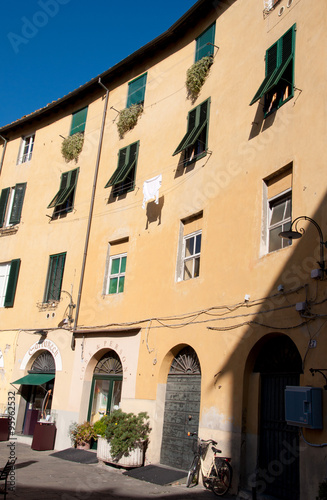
x,y
218,477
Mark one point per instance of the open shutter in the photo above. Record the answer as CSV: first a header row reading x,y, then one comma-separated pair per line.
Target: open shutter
x,y
285,56
197,120
271,69
3,204
12,283
126,161
78,121
67,184
136,91
17,203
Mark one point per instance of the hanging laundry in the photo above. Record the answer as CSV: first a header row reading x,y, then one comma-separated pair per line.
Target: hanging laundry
x,y
151,189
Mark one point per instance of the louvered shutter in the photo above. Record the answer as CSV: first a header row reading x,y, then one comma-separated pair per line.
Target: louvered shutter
x,y
12,283
3,204
17,203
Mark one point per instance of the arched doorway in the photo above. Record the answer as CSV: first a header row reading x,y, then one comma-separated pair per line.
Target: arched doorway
x,y
106,386
37,390
182,409
279,364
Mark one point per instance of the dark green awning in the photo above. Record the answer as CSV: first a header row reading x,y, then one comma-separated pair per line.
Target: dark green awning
x,y
35,379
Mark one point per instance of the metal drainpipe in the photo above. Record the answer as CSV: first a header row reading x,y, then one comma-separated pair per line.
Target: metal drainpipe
x,y
90,214
3,152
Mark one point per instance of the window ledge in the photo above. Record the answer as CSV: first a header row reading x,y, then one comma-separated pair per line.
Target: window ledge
x,y
6,231
45,306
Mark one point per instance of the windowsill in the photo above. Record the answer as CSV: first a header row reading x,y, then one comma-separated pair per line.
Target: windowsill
x,y
189,162
44,306
269,113
6,231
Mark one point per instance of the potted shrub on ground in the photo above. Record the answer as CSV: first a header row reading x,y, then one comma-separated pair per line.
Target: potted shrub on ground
x,y
82,435
123,437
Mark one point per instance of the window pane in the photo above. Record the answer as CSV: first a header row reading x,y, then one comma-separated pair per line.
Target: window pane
x,y
189,246
188,269
277,213
288,210
116,394
121,284
196,267
115,266
198,243
286,242
123,265
113,285
275,242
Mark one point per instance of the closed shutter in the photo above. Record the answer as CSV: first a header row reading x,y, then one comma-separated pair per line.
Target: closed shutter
x,y
12,283
204,43
17,203
3,204
78,121
136,91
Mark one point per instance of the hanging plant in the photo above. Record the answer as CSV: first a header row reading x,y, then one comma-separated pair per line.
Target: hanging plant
x,y
128,119
196,75
72,146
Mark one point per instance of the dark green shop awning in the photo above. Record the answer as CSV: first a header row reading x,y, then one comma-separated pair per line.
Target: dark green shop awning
x,y
35,379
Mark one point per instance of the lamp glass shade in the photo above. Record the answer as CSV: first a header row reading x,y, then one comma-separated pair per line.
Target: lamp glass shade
x,y
290,235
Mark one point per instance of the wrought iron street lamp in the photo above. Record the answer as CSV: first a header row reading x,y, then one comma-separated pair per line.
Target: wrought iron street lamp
x,y
294,233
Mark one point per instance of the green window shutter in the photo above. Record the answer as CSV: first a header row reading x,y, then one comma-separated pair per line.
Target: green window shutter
x,y
12,283
278,57
3,204
55,276
136,91
202,49
127,158
67,184
78,121
17,203
197,120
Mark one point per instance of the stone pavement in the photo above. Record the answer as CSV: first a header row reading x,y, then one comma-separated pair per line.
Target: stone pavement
x,y
40,476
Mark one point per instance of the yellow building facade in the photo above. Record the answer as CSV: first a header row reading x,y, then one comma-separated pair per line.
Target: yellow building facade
x,y
149,274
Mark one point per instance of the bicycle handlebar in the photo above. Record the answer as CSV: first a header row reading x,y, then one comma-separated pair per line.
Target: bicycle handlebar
x,y
202,440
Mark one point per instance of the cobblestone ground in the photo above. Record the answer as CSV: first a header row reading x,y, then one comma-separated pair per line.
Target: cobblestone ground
x,y
41,476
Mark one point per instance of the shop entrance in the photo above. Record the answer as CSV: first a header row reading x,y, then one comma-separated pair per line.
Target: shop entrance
x,y
106,387
182,410
37,390
279,364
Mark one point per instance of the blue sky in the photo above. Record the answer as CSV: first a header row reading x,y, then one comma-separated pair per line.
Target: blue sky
x,y
51,47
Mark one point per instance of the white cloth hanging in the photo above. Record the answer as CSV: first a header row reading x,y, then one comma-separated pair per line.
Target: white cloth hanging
x,y
151,189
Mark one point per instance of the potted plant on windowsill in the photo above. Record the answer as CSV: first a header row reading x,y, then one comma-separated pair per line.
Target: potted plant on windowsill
x,y
72,146
82,435
123,438
128,119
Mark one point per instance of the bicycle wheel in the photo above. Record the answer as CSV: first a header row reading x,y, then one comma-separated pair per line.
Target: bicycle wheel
x,y
193,473
221,478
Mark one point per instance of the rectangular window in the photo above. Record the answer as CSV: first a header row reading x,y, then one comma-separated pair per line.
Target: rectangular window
x,y
26,149
277,208
189,251
8,282
194,142
123,179
136,91
278,84
78,121
205,43
55,276
63,202
117,270
280,212
11,204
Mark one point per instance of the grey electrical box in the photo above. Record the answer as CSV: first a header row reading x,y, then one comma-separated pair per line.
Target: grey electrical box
x,y
303,406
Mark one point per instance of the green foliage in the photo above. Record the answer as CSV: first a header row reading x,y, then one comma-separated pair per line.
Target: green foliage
x,y
81,434
322,491
72,146
100,426
196,75
128,119
125,431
